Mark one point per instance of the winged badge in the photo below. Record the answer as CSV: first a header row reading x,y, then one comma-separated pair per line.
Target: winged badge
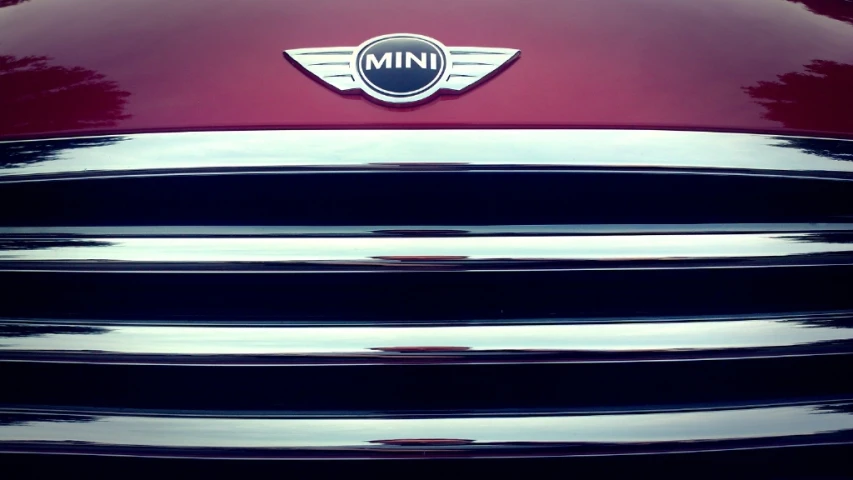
x,y
402,68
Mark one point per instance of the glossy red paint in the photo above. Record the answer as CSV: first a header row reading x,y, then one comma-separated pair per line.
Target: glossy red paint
x,y
98,66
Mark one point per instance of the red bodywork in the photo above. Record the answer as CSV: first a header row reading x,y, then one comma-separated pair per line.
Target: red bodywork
x,y
102,66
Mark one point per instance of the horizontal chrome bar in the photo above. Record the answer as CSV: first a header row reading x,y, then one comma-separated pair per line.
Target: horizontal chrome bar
x,y
434,150
589,252
215,231
615,341
553,435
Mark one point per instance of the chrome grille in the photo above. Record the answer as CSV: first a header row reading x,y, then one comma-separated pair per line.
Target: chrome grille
x,y
426,294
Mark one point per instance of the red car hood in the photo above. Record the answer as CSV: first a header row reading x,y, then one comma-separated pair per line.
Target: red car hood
x,y
100,66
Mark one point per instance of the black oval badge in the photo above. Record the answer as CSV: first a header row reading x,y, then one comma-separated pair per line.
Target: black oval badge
x,y
401,66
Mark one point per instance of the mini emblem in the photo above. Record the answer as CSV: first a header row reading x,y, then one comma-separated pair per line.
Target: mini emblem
x,y
402,68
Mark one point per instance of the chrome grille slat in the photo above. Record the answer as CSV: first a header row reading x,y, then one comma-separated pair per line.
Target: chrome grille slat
x,y
186,436
448,150
526,253
610,340
312,231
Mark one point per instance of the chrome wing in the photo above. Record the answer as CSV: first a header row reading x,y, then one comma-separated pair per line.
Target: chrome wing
x,y
471,65
331,65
